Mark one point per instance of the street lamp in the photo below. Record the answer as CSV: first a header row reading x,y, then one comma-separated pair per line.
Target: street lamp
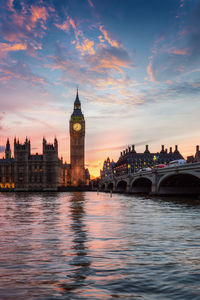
x,y
154,160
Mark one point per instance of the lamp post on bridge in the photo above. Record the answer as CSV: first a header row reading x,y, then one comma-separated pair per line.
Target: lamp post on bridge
x,y
154,160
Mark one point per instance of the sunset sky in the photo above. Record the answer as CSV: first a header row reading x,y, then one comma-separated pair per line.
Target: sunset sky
x,y
136,63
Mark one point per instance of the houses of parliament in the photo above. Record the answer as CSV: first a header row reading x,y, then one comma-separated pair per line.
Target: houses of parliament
x,y
46,171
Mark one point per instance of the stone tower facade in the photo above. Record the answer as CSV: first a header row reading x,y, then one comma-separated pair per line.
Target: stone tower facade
x,y
38,172
22,154
77,144
7,150
50,164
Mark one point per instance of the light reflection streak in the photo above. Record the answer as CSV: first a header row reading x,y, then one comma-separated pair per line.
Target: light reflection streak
x,y
80,262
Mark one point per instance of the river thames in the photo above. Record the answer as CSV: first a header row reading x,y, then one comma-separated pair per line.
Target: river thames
x,y
89,246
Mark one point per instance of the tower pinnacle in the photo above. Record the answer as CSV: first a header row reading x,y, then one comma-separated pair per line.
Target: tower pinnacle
x,y
7,150
8,145
77,106
77,103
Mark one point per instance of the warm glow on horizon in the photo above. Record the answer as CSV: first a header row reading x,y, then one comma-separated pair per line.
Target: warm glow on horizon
x,y
137,85
95,166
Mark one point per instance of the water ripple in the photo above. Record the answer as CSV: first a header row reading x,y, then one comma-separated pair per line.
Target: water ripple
x,y
89,246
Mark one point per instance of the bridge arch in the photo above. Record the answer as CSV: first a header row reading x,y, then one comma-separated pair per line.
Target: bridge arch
x,y
141,185
121,186
184,183
110,186
103,187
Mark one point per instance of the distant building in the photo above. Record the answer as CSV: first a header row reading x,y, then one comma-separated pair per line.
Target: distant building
x,y
131,161
194,158
46,172
7,169
38,172
108,167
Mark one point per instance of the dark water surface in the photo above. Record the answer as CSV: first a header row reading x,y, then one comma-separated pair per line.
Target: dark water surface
x,y
89,246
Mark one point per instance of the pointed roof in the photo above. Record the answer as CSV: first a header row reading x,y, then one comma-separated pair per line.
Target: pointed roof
x,y
77,101
77,106
8,144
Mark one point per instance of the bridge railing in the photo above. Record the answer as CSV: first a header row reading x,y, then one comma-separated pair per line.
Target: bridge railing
x,y
184,166
165,169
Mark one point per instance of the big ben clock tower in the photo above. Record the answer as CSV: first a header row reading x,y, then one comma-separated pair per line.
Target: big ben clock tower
x,y
77,144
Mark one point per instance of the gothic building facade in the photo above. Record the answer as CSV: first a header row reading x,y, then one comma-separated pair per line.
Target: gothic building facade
x,y
7,169
132,161
77,145
46,172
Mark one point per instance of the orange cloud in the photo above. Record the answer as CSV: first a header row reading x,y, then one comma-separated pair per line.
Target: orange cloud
x,y
38,13
20,71
109,58
18,19
108,64
178,51
64,26
108,149
160,39
14,37
86,46
150,70
101,39
21,24
77,32
97,69
10,4
5,48
72,23
90,3
113,43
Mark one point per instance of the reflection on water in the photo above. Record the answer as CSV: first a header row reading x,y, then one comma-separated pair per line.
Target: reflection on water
x,y
80,263
89,246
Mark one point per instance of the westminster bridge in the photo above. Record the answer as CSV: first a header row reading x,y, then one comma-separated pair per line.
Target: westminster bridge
x,y
183,179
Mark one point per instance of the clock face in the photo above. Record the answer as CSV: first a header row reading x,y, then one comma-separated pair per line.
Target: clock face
x,y
77,126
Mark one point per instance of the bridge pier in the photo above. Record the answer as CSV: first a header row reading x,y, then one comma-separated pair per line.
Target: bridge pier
x,y
154,189
128,188
114,186
154,186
